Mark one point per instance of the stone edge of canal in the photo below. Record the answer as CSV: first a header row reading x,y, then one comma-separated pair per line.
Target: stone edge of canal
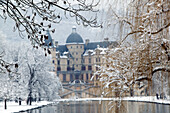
x,y
92,100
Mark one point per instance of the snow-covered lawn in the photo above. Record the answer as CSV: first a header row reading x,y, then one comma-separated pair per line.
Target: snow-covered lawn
x,y
14,107
151,99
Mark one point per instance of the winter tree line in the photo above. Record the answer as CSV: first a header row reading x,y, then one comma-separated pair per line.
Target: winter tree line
x,y
142,58
32,78
26,70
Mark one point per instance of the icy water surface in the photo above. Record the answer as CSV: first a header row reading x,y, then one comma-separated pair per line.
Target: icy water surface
x,y
102,107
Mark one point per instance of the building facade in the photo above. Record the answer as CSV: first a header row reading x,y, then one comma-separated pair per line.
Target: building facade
x,y
78,60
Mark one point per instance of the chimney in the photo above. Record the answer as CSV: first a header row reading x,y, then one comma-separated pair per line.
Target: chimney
x,y
56,43
87,41
74,29
106,39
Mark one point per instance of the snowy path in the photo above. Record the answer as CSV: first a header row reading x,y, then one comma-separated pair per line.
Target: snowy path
x,y
14,107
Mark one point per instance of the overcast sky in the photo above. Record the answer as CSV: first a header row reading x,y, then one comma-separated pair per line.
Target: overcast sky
x,y
64,28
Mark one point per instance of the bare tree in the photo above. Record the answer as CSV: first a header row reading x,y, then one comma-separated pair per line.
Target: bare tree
x,y
36,16
133,64
33,17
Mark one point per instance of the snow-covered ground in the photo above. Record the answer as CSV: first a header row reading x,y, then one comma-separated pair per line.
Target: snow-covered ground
x,y
14,107
151,99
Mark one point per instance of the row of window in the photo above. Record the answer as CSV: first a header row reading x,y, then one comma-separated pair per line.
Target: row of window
x,y
76,47
83,68
68,68
77,77
75,53
64,77
97,59
68,62
58,62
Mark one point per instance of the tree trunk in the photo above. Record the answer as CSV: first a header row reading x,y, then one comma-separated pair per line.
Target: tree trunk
x,y
30,102
5,106
20,101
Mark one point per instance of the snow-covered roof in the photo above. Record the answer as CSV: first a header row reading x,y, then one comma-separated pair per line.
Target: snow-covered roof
x,y
103,52
57,52
74,43
65,53
87,52
63,57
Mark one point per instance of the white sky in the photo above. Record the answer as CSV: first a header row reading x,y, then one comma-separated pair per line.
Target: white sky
x,y
64,28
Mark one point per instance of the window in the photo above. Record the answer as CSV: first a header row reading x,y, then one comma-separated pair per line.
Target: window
x,y
96,59
71,47
89,60
58,68
83,68
76,65
87,76
76,59
89,68
82,60
53,62
64,77
71,77
72,53
77,76
68,62
68,69
76,53
77,46
58,62
80,46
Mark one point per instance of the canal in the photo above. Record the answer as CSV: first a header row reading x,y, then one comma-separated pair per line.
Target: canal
x,y
102,107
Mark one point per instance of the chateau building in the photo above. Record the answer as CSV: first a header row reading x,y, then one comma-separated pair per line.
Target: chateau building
x,y
77,60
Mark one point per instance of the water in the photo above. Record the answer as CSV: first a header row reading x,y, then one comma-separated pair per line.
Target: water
x,y
102,107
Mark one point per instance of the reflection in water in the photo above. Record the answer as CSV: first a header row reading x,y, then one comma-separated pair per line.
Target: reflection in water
x,y
103,107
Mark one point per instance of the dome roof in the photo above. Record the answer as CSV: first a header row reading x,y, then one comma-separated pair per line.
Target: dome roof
x,y
74,37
